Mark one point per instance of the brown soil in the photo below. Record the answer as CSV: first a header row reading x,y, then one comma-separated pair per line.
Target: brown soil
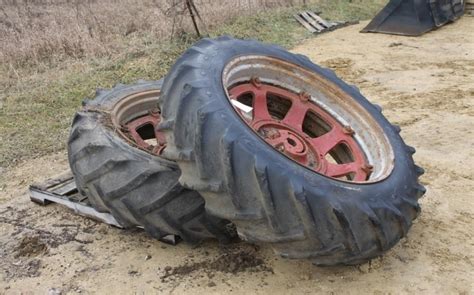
x,y
233,260
30,246
425,84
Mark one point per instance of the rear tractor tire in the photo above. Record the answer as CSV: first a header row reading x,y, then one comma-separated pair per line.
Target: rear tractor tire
x,y
114,154
288,152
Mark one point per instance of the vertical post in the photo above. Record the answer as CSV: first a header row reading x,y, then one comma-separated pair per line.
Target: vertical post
x,y
189,6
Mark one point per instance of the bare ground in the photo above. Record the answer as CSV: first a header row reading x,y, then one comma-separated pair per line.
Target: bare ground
x,y
425,84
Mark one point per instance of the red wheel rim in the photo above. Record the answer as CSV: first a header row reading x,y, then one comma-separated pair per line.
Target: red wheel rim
x,y
136,117
143,132
328,148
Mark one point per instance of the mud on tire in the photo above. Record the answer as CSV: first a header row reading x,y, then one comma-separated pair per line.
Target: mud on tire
x,y
268,196
136,186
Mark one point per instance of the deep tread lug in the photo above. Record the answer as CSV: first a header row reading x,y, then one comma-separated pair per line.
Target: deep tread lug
x,y
410,149
419,171
397,128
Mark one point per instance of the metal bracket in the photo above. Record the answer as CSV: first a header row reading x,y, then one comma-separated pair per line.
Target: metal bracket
x,y
63,190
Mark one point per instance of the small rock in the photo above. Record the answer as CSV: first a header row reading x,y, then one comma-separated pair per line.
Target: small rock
x,y
401,258
364,268
133,273
148,257
54,291
168,268
395,44
376,263
211,284
306,277
18,263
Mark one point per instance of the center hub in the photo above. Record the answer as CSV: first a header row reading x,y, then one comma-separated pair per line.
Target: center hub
x,y
287,141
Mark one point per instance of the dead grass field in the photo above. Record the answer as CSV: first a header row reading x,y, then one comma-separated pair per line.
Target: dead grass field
x,y
34,31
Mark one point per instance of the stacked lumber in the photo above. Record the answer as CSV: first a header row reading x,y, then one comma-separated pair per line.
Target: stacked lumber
x,y
469,10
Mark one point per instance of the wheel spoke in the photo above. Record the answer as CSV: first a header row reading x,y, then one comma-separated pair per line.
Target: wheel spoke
x,y
260,109
137,138
360,176
327,141
296,115
160,137
338,170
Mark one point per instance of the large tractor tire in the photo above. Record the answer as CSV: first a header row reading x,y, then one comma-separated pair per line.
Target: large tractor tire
x,y
288,152
114,154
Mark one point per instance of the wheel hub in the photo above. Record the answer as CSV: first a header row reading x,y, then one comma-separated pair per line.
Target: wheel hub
x,y
287,141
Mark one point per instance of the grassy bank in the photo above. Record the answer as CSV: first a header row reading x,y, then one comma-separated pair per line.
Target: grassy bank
x,y
37,103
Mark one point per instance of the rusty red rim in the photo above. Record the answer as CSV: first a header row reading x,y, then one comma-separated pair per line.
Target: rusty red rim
x,y
301,130
143,132
136,118
309,117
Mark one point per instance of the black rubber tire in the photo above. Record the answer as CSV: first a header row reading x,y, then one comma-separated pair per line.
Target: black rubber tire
x,y
267,196
138,188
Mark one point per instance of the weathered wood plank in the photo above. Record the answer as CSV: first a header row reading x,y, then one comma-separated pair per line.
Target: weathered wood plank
x,y
319,19
304,23
312,21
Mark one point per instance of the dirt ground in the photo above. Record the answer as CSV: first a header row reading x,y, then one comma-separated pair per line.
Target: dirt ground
x,y
425,84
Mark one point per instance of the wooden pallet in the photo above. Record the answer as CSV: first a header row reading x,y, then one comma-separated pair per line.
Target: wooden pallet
x,y
62,190
469,10
316,24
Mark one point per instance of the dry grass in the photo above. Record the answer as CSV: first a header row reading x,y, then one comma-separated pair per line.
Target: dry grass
x,y
37,30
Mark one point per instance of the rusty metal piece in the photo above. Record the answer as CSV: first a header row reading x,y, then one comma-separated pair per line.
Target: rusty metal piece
x,y
273,134
140,139
281,148
304,96
123,128
348,130
255,81
132,114
367,168
155,112
158,149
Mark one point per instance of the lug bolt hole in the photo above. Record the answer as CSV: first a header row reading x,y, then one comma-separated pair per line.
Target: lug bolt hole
x,y
291,141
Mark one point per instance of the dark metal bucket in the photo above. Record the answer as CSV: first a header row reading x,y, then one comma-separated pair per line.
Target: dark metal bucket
x,y
415,17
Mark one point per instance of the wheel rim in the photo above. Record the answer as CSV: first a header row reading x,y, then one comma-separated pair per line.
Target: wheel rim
x,y
136,117
308,119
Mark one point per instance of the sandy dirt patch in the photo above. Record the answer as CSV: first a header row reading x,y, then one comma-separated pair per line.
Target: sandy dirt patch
x,y
425,84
